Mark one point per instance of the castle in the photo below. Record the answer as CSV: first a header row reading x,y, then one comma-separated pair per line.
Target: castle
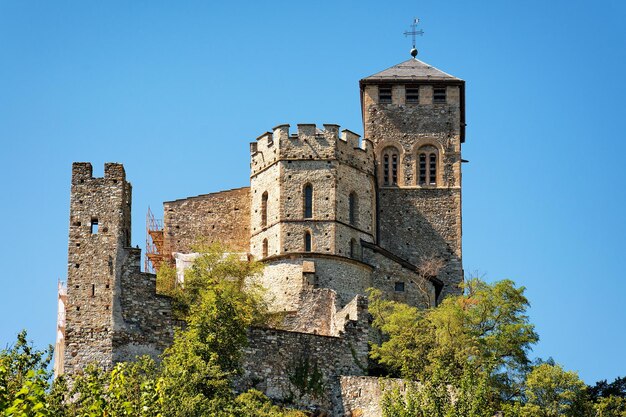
x,y
329,213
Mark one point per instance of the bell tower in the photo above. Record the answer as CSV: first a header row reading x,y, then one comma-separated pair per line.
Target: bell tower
x,y
414,114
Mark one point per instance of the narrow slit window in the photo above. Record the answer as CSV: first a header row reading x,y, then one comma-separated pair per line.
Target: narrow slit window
x,y
384,95
307,242
412,94
386,169
354,249
353,208
308,201
422,168
264,209
432,174
439,94
394,169
265,248
93,290
94,226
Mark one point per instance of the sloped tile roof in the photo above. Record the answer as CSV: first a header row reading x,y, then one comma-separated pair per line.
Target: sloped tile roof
x,y
410,70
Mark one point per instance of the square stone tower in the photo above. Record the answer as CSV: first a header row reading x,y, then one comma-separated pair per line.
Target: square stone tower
x,y
415,116
99,232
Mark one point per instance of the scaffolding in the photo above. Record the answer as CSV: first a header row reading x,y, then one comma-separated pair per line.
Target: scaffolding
x,y
155,243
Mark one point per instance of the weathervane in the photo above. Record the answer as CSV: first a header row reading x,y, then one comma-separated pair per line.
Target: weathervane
x,y
413,32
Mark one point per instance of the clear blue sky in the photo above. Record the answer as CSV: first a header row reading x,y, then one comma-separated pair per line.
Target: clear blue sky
x,y
176,90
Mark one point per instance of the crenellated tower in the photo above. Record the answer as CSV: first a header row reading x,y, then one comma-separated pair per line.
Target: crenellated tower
x,y
312,198
99,230
112,310
415,116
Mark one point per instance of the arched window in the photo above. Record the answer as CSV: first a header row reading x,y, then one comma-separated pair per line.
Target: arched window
x,y
353,208
390,166
427,165
265,248
307,241
308,201
264,209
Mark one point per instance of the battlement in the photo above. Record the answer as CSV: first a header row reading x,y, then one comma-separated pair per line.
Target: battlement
x,y
311,143
82,171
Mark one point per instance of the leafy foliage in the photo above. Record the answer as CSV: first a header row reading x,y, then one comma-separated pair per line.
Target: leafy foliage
x,y
194,378
484,331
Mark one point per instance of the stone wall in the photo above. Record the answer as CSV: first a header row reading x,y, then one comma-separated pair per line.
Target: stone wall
x,y
146,326
388,272
222,217
419,224
281,363
361,395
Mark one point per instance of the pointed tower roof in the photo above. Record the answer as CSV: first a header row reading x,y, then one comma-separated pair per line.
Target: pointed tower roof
x,y
410,70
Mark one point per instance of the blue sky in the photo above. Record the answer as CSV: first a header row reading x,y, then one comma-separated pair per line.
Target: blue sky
x,y
176,90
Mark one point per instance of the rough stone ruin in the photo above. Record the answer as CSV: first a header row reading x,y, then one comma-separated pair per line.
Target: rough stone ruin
x,y
330,214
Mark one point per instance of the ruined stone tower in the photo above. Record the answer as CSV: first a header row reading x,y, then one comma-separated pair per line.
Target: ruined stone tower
x,y
99,230
112,310
415,116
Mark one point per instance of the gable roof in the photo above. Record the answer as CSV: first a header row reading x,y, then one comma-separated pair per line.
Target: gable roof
x,y
410,70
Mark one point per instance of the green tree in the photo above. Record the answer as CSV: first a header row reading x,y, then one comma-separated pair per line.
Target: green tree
x,y
551,391
485,330
611,406
219,302
24,379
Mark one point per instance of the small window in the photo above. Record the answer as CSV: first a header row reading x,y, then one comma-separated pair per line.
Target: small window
x,y
94,226
439,95
265,248
422,168
432,169
399,286
384,95
353,208
307,242
308,201
412,94
264,209
354,249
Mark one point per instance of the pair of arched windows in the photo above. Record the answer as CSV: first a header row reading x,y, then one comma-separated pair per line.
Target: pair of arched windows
x,y
391,160
426,165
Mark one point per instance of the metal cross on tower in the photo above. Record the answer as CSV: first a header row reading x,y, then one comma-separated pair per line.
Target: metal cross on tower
x,y
413,32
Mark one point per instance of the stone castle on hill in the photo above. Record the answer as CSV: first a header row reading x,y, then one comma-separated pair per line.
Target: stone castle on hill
x,y
329,213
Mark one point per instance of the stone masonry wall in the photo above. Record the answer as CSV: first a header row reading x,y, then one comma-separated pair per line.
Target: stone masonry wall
x,y
361,396
265,182
416,291
146,326
222,217
278,363
418,224
99,232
